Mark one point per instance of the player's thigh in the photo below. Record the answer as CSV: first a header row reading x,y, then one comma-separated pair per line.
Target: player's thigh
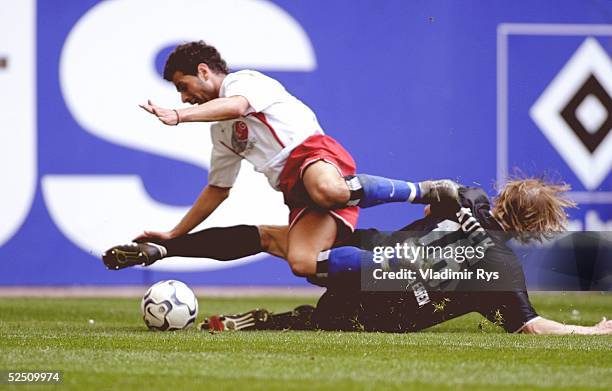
x,y
325,184
314,232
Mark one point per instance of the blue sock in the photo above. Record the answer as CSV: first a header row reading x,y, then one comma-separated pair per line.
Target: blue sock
x,y
343,260
342,266
370,190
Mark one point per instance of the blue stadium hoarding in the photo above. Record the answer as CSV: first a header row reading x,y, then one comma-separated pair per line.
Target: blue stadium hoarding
x,y
413,89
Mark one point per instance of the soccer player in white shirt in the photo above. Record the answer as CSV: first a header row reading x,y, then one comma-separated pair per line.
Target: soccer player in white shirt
x,y
258,120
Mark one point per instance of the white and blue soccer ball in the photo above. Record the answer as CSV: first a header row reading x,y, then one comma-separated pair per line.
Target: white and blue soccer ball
x,y
169,305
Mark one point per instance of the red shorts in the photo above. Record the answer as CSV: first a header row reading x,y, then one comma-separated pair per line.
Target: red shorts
x,y
313,149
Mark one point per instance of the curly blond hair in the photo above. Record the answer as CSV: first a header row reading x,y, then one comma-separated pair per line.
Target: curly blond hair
x,y
532,208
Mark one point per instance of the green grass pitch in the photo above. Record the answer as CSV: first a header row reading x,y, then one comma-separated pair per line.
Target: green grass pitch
x,y
118,352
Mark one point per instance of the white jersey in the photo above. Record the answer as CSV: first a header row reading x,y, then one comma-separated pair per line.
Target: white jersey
x,y
276,122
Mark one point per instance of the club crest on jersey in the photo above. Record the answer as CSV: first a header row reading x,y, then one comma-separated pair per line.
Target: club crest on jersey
x,y
240,136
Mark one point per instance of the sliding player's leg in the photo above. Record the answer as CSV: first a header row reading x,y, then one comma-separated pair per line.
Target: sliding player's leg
x,y
336,310
300,318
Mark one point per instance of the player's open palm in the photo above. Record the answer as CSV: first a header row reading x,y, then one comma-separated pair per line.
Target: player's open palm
x,y
603,327
167,116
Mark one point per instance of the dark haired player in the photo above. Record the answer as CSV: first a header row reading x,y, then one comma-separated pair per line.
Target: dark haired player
x,y
463,217
258,120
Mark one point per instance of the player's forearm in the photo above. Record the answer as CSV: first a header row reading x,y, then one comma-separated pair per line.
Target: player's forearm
x,y
219,109
210,198
544,326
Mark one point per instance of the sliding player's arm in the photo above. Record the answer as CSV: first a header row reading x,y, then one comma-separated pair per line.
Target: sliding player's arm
x,y
218,109
514,312
210,198
542,326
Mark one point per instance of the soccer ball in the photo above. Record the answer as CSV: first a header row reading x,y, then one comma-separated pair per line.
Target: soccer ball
x,y
169,305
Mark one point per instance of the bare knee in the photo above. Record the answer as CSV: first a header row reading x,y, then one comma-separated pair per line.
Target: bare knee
x,y
302,265
329,194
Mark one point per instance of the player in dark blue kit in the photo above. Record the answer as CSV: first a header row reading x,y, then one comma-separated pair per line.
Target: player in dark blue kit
x,y
526,210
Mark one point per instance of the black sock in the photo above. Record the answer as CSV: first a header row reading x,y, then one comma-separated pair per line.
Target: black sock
x,y
223,244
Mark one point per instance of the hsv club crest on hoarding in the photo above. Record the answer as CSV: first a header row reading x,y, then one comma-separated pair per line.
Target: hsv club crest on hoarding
x,y
575,113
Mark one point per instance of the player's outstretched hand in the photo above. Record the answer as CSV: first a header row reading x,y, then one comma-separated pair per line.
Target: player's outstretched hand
x,y
153,236
603,327
166,116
